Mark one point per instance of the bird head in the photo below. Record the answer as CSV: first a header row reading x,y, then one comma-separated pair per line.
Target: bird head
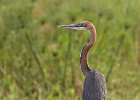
x,y
85,25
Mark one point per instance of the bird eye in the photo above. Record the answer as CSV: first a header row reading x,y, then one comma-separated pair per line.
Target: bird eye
x,y
83,25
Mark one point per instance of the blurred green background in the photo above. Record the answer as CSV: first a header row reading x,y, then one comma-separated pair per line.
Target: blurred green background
x,y
39,61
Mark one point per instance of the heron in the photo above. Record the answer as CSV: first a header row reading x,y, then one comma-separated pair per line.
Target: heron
x,y
94,84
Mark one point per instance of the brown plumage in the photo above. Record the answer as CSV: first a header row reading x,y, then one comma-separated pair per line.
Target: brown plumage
x,y
94,84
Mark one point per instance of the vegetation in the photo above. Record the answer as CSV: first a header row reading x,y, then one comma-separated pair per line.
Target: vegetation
x,y
39,61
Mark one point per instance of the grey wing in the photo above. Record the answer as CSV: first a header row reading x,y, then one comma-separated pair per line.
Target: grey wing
x,y
94,86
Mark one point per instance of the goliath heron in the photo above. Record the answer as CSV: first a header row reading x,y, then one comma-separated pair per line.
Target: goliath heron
x,y
94,85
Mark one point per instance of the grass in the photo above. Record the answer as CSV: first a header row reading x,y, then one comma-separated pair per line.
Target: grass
x,y
40,61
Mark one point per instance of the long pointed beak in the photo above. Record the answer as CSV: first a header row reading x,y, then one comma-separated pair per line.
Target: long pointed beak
x,y
73,26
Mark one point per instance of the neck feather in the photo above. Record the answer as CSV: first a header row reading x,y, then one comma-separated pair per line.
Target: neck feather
x,y
84,52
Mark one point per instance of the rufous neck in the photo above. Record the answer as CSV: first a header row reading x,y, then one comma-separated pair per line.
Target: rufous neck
x,y
84,52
